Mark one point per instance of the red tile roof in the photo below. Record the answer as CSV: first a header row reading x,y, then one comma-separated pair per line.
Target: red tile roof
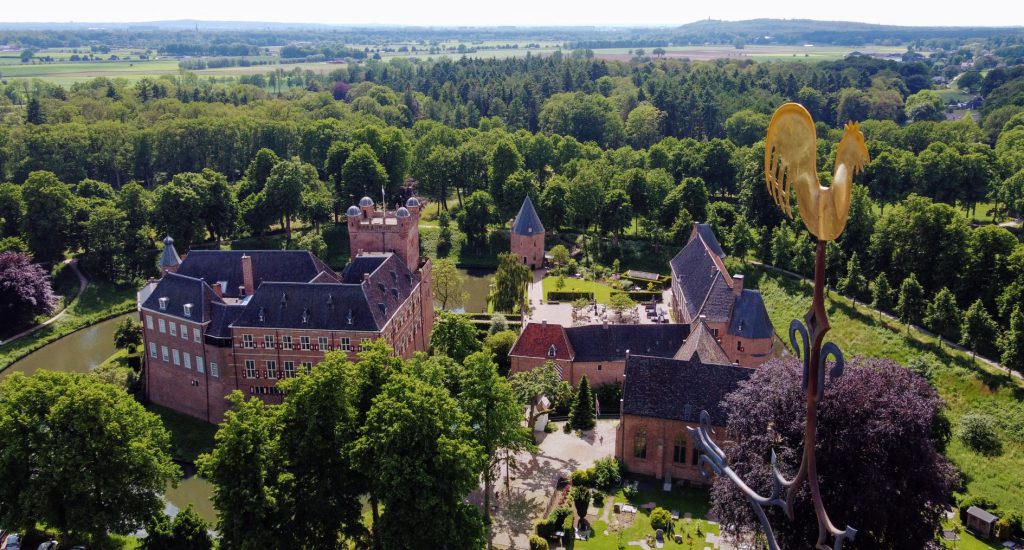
x,y
536,341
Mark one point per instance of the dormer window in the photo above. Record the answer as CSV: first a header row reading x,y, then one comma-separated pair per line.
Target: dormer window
x,y
394,292
382,287
284,299
349,317
188,310
163,303
394,276
261,315
305,316
383,309
552,351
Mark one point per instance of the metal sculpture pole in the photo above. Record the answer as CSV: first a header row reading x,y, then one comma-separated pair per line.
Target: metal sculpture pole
x,y
790,162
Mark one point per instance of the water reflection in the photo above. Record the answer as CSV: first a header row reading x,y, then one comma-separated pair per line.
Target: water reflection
x,y
477,284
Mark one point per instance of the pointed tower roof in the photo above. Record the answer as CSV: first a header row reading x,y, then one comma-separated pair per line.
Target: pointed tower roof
x,y
169,257
527,221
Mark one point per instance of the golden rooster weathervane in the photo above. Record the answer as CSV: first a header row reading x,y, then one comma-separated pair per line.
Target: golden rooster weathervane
x,y
790,161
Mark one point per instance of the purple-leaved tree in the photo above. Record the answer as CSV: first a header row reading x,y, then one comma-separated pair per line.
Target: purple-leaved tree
x,y
880,435
25,289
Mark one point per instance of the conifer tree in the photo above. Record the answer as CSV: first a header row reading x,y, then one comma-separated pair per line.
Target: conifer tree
x,y
1011,343
583,416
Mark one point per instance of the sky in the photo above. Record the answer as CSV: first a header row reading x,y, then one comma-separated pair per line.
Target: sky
x,y
521,12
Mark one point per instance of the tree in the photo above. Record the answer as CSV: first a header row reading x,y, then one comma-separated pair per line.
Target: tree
x,y
943,316
188,531
580,499
25,289
554,202
476,214
746,127
924,105
220,207
449,285
881,293
287,180
312,241
741,240
503,161
531,385
978,329
560,255
910,306
454,335
854,283
137,205
106,235
80,456
586,117
494,415
439,174
318,493
422,460
177,211
979,433
257,172
693,197
643,125
510,282
12,209
875,400
661,519
34,111
616,212
49,209
1011,342
243,467
128,334
500,343
620,303
317,205
583,415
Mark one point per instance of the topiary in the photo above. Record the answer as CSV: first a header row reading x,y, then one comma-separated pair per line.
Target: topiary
x,y
537,543
661,519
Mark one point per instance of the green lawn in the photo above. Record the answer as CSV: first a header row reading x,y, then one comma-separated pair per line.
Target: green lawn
x,y
964,387
694,501
190,436
602,292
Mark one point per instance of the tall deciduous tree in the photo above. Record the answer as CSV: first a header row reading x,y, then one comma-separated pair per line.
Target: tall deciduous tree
x,y
854,283
449,284
510,281
188,531
25,289
12,209
875,400
978,331
49,210
910,306
454,335
943,316
477,212
531,385
80,456
287,180
1011,342
177,211
881,293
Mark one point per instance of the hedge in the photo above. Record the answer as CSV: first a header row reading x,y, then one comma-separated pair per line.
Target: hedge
x,y
567,296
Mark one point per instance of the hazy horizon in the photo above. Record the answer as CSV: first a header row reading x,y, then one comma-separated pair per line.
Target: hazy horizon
x,y
526,13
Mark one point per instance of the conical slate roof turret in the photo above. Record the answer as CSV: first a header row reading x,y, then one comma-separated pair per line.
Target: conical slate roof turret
x,y
169,257
527,222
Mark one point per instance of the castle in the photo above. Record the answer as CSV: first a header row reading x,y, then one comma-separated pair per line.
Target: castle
x,y
217,321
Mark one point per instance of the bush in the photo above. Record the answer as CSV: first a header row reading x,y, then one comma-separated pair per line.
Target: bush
x,y
568,532
581,499
537,543
598,499
979,433
661,519
607,473
583,478
630,492
550,427
554,521
980,501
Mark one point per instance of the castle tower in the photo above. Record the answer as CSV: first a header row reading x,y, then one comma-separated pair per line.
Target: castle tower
x,y
372,230
169,259
528,236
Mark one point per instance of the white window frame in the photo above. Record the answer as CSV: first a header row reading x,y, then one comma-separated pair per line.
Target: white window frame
x,y
162,325
184,332
304,343
164,354
176,357
247,341
346,343
289,369
271,369
214,371
286,342
152,350
324,343
195,334
149,321
250,368
200,367
174,328
187,360
307,366
268,341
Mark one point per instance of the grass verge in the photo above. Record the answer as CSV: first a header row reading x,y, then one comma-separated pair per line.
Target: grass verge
x,y
190,437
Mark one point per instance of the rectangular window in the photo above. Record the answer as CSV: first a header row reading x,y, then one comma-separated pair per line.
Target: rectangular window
x,y
149,321
163,326
247,341
694,457
640,445
250,368
184,332
289,369
307,366
346,344
188,361
152,350
176,356
272,370
174,329
268,341
323,343
679,450
214,371
195,334
163,353
286,342
304,343
199,365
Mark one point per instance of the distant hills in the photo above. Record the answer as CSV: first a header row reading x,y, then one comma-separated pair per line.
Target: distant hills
x,y
791,31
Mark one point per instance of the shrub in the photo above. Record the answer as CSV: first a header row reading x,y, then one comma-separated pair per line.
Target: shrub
x,y
607,473
630,492
581,499
537,543
599,499
979,433
553,522
550,427
583,478
980,501
568,532
661,519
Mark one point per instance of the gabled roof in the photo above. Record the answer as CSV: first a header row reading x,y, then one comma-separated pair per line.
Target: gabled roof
x,y
295,266
221,317
750,316
364,306
527,221
705,283
671,389
702,345
611,342
708,235
981,514
179,290
536,341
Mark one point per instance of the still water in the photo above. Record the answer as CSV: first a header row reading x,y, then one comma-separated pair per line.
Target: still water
x,y
83,351
477,284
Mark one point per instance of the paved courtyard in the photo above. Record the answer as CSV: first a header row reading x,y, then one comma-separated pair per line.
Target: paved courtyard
x,y
561,313
526,497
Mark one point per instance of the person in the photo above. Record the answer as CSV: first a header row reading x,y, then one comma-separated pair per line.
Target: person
x,y
601,438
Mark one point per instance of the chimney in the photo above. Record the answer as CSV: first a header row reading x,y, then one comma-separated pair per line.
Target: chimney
x,y
737,284
241,291
544,322
247,279
366,276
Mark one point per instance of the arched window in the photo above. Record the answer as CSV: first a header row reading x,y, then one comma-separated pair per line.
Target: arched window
x,y
552,351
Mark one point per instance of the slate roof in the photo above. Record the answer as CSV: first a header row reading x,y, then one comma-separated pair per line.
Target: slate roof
x,y
364,306
981,514
297,266
678,390
708,234
750,316
703,345
180,290
169,257
703,280
221,317
364,263
610,342
537,338
527,221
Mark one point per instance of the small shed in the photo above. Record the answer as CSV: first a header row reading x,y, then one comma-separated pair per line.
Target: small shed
x,y
980,522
